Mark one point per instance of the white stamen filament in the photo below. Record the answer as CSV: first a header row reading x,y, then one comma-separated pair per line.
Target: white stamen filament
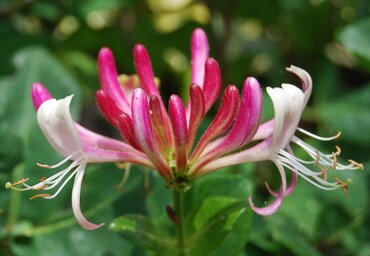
x,y
325,159
60,163
319,137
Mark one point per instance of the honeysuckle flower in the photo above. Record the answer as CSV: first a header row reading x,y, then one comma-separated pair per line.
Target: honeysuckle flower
x,y
165,140
151,136
277,134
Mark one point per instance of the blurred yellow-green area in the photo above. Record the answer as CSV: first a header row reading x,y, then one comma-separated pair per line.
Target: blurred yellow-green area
x,y
56,43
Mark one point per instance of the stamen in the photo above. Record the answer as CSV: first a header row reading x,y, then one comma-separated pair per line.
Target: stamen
x,y
343,185
338,150
39,196
317,160
358,165
324,174
41,187
58,164
334,164
12,185
336,136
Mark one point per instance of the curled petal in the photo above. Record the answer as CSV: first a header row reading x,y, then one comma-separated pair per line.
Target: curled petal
x,y
275,205
76,192
270,209
180,131
39,95
212,83
197,111
56,123
305,78
199,54
109,79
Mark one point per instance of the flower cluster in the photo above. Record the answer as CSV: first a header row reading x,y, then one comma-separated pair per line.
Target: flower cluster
x,y
165,140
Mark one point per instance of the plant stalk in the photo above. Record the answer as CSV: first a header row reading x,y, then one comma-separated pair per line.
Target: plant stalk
x,y
178,202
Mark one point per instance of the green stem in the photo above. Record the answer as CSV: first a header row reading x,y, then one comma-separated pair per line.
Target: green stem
x,y
178,202
15,199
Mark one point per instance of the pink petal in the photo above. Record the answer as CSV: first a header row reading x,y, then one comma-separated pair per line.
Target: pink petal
x,y
246,121
144,70
108,107
109,81
222,120
126,130
144,132
270,209
180,131
199,54
197,112
39,95
159,128
212,82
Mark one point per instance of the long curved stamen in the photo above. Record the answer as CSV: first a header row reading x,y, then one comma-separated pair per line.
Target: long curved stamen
x,y
325,159
60,163
336,136
63,185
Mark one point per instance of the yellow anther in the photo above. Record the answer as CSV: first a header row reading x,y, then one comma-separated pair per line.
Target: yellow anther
x,y
43,165
11,185
41,187
324,174
317,160
42,178
343,185
334,164
358,165
338,150
39,195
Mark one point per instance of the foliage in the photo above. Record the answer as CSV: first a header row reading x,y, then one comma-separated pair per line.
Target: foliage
x,y
56,42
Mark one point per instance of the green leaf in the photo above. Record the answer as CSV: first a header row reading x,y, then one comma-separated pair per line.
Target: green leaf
x,y
145,233
32,65
209,210
217,223
285,233
72,241
356,39
350,115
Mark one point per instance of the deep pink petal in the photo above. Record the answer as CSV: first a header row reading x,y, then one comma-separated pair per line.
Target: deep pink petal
x,y
212,82
108,107
197,112
199,54
39,95
109,79
144,133
144,70
222,120
246,121
180,131
126,130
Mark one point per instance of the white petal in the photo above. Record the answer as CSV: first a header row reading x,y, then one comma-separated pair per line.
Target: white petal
x,y
76,193
56,123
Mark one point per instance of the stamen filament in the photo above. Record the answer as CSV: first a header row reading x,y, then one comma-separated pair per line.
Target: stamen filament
x,y
336,136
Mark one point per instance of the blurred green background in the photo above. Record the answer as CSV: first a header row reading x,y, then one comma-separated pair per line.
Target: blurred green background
x,y
56,43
